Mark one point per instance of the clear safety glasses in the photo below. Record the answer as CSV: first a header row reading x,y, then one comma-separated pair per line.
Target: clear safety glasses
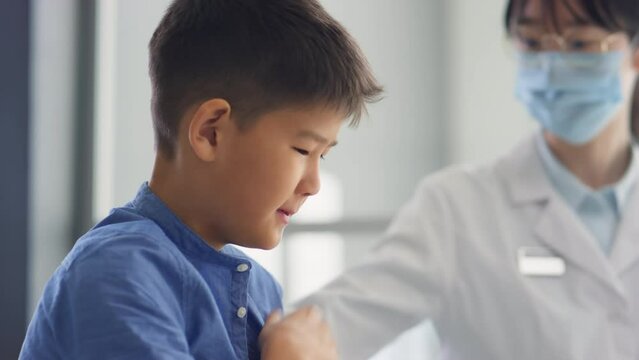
x,y
575,48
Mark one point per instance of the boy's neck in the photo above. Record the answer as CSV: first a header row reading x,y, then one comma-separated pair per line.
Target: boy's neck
x,y
167,184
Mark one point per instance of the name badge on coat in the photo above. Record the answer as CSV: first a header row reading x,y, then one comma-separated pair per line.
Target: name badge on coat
x,y
539,261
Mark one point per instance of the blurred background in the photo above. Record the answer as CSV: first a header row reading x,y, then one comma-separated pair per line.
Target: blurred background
x,y
76,136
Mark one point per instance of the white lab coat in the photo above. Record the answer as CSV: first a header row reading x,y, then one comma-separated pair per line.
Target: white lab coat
x,y
451,255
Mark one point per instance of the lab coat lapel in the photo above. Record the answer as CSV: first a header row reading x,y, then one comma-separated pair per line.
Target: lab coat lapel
x,y
560,229
625,250
556,226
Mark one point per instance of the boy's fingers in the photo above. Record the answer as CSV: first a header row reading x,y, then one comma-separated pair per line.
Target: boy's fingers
x,y
271,320
274,317
311,313
302,332
315,313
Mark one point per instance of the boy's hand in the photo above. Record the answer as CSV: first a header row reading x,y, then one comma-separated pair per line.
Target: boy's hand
x,y
302,335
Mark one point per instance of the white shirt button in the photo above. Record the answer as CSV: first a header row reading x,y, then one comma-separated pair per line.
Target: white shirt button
x,y
242,267
241,312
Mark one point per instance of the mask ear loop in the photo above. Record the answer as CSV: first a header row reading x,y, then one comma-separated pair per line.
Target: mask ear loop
x,y
634,107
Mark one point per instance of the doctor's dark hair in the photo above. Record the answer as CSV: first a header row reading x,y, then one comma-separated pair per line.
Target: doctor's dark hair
x,y
612,15
259,55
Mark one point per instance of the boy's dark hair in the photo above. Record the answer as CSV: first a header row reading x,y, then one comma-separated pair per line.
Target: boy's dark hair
x,y
259,55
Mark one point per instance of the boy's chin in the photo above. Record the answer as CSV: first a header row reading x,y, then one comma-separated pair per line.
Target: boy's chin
x,y
268,242
269,247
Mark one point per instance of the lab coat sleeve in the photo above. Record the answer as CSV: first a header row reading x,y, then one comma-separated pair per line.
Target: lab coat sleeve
x,y
401,282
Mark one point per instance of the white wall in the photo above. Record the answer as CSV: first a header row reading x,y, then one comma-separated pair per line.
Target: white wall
x,y
448,73
444,63
53,106
379,163
484,118
401,141
126,153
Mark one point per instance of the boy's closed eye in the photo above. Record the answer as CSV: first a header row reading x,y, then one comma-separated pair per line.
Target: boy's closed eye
x,y
306,152
301,151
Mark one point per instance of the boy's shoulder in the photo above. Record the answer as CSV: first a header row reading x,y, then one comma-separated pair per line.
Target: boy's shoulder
x,y
126,239
136,242
126,273
127,245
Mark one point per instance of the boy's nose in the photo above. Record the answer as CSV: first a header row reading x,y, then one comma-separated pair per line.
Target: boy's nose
x,y
310,184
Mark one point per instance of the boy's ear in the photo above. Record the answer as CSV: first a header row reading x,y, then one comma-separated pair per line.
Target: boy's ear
x,y
209,123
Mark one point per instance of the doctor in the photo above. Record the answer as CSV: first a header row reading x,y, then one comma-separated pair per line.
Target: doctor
x,y
534,256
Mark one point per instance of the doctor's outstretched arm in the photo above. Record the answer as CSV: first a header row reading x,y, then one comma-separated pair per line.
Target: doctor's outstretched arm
x,y
402,281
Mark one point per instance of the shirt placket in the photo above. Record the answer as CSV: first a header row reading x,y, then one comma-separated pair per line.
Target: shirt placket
x,y
239,302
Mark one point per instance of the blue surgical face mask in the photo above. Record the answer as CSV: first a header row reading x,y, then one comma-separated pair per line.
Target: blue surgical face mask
x,y
572,95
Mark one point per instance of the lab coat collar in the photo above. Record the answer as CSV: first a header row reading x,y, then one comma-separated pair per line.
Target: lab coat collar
x,y
523,173
557,227
574,191
525,176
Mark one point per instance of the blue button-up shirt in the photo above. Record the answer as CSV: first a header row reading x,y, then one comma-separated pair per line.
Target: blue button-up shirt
x,y
599,210
142,285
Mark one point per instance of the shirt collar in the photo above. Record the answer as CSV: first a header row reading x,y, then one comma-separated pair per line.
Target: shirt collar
x,y
153,208
574,191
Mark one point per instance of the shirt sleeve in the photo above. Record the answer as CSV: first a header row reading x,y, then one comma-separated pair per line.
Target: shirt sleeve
x,y
121,300
400,283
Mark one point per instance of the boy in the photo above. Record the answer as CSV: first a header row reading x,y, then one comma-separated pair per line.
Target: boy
x,y
248,95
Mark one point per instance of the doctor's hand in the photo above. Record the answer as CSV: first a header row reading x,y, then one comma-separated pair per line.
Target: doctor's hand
x,y
302,335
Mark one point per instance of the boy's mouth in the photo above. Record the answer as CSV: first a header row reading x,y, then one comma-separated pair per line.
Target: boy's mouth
x,y
285,214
